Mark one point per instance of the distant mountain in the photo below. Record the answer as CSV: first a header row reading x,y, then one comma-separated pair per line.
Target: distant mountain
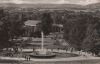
x,y
64,6
93,6
53,6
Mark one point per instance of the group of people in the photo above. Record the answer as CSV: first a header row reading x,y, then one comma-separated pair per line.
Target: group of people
x,y
27,58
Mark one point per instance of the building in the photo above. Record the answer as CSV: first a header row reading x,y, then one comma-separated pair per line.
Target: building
x,y
30,27
57,27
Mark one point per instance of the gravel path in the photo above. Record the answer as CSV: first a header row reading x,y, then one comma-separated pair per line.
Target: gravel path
x,y
55,59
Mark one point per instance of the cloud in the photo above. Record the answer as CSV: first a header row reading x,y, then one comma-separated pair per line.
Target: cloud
x,y
82,2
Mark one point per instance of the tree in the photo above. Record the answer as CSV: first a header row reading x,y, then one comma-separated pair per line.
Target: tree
x,y
4,37
46,24
12,26
74,31
80,31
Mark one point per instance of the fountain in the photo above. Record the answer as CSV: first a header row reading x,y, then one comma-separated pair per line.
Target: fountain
x,y
43,53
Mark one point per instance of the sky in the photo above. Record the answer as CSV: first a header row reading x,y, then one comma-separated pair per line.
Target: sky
x,y
81,2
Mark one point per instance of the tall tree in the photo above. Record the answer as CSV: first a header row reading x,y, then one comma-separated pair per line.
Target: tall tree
x,y
46,25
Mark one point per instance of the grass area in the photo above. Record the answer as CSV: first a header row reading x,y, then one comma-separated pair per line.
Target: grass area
x,y
59,62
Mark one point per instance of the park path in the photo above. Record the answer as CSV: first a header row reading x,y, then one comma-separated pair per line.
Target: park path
x,y
83,56
54,59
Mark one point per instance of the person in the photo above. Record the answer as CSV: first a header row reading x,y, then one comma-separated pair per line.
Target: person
x,y
28,58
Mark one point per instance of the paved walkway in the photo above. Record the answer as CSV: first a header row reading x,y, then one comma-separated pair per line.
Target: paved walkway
x,y
54,59
86,57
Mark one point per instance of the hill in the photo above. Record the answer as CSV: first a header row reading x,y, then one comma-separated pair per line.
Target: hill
x,y
94,6
60,6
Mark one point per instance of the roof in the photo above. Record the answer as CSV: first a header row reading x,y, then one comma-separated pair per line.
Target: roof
x,y
32,22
